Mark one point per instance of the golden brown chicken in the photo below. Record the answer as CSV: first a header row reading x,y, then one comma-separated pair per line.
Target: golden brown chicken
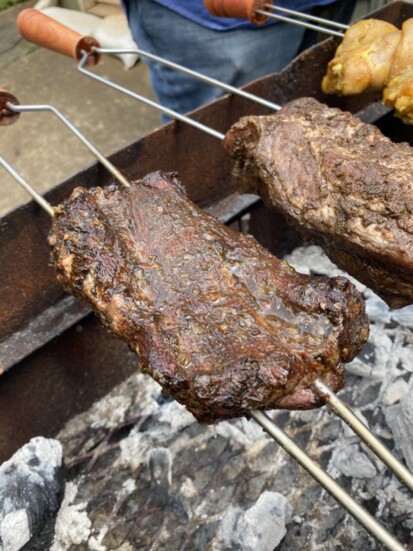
x,y
363,59
374,55
399,91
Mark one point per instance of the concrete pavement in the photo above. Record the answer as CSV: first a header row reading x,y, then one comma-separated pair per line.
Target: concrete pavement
x,y
39,146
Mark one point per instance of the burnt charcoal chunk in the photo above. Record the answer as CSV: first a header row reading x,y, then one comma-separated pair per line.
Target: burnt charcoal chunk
x,y
218,321
32,484
343,183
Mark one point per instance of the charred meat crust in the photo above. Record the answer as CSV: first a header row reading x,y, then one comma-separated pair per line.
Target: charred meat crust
x,y
341,182
218,321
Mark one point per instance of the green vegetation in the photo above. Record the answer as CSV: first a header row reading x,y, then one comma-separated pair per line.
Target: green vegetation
x,y
7,3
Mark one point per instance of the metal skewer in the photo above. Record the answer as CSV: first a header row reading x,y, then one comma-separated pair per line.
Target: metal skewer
x,y
107,164
22,183
307,16
258,12
185,71
325,480
343,411
356,510
147,101
305,24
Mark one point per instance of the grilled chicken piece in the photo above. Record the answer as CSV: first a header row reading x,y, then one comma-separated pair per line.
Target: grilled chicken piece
x,y
218,321
398,94
363,59
399,90
374,55
341,182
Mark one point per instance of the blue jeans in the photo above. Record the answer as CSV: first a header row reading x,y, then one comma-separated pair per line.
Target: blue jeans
x,y
234,57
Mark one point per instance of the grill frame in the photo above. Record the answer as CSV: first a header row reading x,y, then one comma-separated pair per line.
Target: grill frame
x,y
58,370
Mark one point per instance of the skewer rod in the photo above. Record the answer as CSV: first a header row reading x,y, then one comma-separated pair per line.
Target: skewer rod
x,y
107,164
356,510
149,102
302,24
308,17
365,434
194,74
36,196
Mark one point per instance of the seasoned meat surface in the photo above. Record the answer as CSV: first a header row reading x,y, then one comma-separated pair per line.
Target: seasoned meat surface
x,y
341,182
218,321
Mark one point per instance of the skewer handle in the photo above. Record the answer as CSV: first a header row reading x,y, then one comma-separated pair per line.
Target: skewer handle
x,y
242,9
7,116
40,29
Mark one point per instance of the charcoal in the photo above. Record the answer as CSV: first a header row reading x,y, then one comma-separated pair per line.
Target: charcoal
x,y
31,488
159,461
262,526
400,419
350,461
73,526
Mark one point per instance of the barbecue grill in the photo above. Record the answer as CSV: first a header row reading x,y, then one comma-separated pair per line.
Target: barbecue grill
x,y
28,327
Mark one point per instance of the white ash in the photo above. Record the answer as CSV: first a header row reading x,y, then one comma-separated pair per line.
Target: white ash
x,y
31,488
73,525
262,526
160,480
399,417
15,530
395,392
159,463
109,414
350,461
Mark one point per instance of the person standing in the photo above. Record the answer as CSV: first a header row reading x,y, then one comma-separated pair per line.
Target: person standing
x,y
233,51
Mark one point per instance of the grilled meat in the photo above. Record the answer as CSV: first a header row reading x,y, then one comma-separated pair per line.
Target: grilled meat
x,y
219,322
375,56
363,59
398,92
342,182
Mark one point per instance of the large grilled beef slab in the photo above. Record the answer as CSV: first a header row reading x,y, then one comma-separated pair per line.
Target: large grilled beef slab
x,y
218,321
342,182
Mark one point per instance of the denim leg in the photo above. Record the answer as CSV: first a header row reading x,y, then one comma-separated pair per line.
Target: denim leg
x,y
235,57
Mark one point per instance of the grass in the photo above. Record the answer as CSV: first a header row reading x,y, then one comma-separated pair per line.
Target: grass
x,y
7,3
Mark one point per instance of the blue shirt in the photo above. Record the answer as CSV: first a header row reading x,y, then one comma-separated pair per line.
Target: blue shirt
x,y
197,12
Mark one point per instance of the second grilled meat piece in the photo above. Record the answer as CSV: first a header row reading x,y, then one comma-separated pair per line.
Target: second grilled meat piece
x,y
342,182
218,321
